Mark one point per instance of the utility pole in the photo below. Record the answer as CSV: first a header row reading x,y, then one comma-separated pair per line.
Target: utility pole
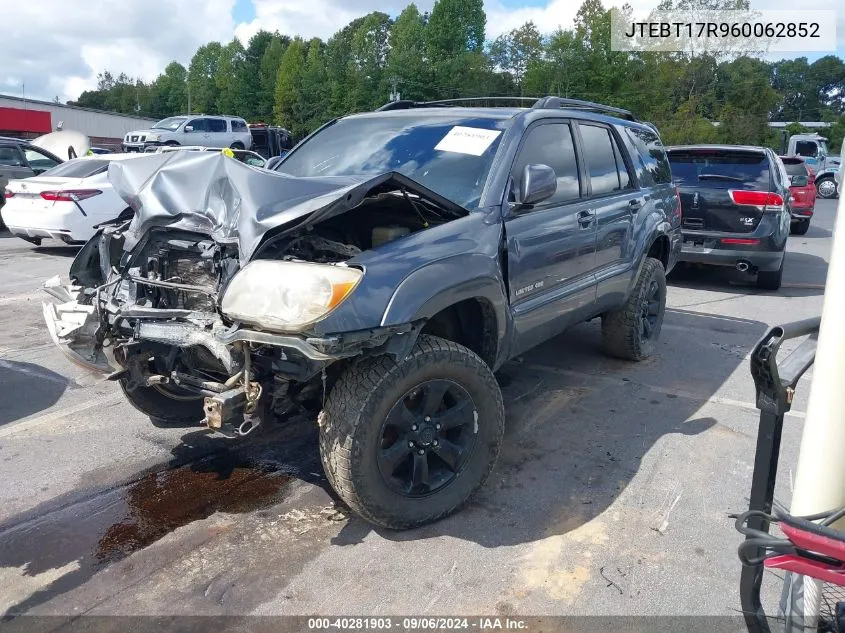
x,y
189,98
394,95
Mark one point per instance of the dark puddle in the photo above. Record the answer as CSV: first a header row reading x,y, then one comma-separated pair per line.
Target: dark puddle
x,y
112,525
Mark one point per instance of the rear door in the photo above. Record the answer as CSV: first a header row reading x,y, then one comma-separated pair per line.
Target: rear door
x,y
709,179
218,133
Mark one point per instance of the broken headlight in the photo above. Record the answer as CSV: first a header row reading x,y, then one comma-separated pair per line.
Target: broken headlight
x,y
287,296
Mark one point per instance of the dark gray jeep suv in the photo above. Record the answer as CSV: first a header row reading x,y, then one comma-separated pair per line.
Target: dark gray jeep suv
x,y
375,281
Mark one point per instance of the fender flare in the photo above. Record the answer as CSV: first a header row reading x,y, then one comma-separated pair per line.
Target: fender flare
x,y
422,294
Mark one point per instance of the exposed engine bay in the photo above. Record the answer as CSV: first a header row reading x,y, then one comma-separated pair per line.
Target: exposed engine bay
x,y
147,310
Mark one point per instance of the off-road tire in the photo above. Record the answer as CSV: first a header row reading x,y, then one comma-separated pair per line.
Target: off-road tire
x,y
771,279
800,227
621,329
356,407
163,410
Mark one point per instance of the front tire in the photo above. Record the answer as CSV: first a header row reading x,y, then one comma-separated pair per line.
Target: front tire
x,y
407,442
165,409
629,333
826,187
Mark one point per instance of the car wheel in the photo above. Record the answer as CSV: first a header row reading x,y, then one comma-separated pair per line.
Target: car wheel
x,y
407,442
630,332
771,279
237,145
826,187
171,144
164,406
800,227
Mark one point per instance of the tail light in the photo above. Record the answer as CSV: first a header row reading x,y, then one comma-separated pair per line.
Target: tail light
x,y
747,241
70,195
8,194
764,200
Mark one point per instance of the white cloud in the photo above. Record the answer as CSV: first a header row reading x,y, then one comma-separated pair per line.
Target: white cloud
x,y
57,47
316,18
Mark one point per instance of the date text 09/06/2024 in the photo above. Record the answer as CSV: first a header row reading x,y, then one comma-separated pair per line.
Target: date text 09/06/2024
x,y
416,624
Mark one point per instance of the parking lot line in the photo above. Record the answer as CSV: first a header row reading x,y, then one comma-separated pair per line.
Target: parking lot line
x,y
750,406
58,414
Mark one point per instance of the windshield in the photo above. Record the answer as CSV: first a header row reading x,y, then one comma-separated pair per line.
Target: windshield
x,y
450,155
171,123
78,168
823,148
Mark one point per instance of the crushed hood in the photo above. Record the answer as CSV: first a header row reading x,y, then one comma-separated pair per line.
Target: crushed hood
x,y
211,193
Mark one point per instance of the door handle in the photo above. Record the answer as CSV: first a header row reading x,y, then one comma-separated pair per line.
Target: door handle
x,y
585,218
634,205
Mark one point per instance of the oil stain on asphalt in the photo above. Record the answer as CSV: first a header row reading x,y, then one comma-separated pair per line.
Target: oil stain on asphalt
x,y
85,535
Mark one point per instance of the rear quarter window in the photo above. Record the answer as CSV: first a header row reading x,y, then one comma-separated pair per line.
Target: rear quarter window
x,y
78,168
238,126
651,154
721,168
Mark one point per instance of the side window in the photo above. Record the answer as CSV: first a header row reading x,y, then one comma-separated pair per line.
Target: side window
x,y
10,156
551,144
238,125
37,160
806,148
652,154
199,125
600,158
216,125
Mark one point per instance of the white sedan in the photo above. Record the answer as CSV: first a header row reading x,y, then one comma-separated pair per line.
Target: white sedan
x,y
65,202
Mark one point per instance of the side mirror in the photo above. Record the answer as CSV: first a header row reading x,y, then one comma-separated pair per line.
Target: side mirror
x,y
189,128
272,162
539,182
800,181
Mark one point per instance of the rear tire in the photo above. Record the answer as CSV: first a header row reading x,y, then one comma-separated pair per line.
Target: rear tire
x,y
164,409
800,227
771,280
630,332
390,463
237,145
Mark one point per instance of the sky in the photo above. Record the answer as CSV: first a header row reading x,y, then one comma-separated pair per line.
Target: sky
x,y
57,47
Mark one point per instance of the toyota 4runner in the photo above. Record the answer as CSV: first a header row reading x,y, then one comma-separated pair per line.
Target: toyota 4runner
x,y
392,262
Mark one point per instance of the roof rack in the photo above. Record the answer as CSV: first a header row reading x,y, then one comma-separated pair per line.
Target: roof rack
x,y
407,104
577,104
541,102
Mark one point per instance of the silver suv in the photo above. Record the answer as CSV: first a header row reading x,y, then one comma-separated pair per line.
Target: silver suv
x,y
199,129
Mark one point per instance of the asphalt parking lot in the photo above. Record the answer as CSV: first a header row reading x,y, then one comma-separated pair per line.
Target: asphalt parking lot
x,y
610,497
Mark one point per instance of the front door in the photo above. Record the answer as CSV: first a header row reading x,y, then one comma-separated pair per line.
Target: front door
x,y
551,246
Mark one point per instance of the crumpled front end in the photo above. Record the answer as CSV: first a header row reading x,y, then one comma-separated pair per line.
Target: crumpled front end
x,y
147,303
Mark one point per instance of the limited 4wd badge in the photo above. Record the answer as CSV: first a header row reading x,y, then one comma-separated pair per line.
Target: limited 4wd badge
x,y
521,291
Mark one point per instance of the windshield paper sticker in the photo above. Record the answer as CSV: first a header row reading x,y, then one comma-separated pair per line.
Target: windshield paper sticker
x,y
467,140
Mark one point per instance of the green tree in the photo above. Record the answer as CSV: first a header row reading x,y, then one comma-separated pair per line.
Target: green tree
x,y
267,74
406,64
341,69
513,52
315,89
228,79
454,38
202,72
369,51
289,107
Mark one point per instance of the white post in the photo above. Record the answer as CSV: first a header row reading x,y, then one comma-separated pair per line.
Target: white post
x,y
820,476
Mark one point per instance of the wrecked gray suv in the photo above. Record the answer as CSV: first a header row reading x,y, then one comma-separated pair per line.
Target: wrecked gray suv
x,y
391,263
